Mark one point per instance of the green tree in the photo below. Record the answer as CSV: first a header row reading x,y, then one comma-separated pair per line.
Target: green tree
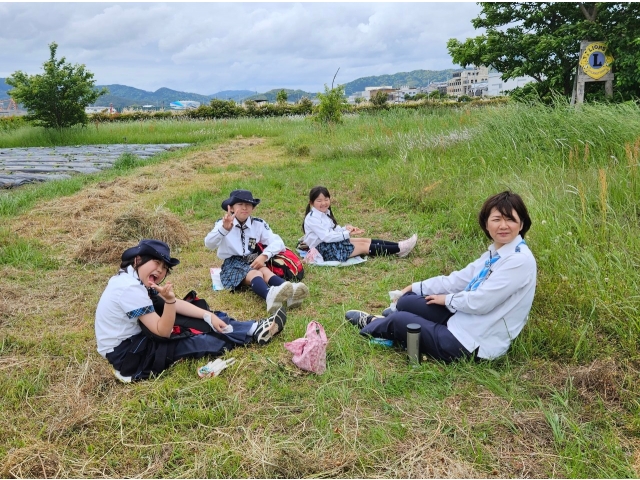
x,y
380,98
56,98
332,101
282,97
542,40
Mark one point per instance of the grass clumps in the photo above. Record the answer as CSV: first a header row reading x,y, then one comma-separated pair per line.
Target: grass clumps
x,y
22,253
128,228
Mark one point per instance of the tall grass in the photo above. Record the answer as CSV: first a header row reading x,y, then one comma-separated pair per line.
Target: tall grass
x,y
153,131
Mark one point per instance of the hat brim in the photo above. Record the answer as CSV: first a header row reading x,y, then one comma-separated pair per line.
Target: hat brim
x,y
229,202
133,252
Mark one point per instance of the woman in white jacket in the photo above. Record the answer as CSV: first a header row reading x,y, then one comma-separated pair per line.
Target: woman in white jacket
x,y
476,311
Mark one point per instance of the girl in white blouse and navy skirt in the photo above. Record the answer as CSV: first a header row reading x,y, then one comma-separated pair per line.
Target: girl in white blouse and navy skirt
x,y
136,296
336,243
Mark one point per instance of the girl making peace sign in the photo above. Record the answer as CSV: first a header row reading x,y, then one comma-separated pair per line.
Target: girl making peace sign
x,y
235,236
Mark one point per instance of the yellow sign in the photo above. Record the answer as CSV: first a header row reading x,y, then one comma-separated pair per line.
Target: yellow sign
x,y
595,60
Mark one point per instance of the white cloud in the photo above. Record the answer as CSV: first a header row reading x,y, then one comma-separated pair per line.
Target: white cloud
x,y
208,47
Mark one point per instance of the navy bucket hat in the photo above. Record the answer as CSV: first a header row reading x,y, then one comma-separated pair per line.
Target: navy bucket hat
x,y
154,248
238,196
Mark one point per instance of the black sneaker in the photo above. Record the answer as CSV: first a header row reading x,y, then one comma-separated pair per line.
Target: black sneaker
x,y
269,327
359,318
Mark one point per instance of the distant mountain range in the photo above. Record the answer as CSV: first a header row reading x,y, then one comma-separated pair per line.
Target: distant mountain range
x,y
416,78
123,96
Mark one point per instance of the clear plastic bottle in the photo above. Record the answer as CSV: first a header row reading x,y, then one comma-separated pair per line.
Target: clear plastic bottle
x,y
413,343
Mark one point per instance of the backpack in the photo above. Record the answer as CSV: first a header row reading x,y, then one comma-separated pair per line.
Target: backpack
x,y
183,326
285,264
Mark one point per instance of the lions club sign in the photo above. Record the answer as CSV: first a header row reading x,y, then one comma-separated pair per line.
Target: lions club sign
x,y
595,61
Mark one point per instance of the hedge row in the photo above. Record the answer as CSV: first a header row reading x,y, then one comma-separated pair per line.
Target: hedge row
x,y
11,123
219,109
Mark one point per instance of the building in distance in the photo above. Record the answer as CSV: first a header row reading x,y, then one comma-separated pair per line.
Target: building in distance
x,y
184,105
496,86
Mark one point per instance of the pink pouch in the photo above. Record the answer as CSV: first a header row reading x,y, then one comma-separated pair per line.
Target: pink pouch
x,y
310,352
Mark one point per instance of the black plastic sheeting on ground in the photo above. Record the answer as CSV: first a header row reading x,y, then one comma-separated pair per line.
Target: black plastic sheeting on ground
x,y
19,166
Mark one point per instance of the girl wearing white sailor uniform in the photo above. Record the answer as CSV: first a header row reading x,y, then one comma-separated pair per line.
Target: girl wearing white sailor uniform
x,y
336,243
477,311
235,237
135,296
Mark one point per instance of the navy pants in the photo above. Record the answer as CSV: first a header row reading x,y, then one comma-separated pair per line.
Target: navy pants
x,y
435,339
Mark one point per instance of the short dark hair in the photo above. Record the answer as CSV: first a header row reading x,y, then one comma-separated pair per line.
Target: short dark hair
x,y
505,202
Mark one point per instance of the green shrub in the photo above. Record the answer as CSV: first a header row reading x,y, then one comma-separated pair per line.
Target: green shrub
x,y
332,102
380,98
11,123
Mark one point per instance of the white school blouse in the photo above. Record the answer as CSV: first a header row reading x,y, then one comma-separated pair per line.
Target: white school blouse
x,y
122,302
491,316
318,228
229,242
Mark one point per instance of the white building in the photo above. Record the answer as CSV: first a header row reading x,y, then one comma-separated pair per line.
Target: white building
x,y
463,83
369,92
108,109
184,105
352,98
497,86
436,87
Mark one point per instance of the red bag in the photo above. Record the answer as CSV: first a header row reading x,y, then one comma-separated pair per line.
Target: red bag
x,y
285,264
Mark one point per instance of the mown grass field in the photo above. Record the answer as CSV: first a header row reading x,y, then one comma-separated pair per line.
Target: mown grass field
x,y
562,403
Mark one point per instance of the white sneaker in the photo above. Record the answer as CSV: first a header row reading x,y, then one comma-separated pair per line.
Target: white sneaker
x,y
269,327
120,377
300,292
278,295
407,245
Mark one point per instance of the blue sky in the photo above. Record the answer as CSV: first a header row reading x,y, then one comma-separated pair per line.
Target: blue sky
x,y
209,47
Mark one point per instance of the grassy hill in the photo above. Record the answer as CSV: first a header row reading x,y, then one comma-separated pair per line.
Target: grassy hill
x,y
293,95
122,96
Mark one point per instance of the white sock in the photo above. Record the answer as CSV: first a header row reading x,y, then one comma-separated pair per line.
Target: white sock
x,y
253,329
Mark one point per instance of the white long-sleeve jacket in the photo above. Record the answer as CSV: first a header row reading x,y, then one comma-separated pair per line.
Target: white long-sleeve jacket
x,y
491,316
229,242
318,228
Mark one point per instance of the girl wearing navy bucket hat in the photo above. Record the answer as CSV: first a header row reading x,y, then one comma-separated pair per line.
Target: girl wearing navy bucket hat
x,y
235,236
136,315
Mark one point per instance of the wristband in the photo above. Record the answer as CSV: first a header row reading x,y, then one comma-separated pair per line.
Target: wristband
x,y
170,303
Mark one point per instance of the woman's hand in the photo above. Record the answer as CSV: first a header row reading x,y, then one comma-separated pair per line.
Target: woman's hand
x,y
165,291
259,262
436,299
227,220
217,323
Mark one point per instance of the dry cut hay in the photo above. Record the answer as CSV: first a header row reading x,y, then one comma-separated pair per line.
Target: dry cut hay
x,y
127,229
602,377
37,460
